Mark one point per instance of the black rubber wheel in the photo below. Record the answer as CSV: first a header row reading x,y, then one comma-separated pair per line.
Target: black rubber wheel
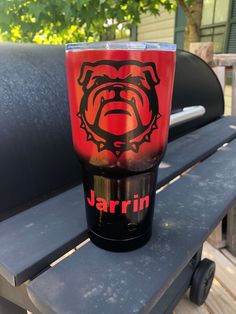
x,y
202,281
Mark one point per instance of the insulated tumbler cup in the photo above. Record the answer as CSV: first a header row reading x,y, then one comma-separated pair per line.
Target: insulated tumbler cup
x,y
120,102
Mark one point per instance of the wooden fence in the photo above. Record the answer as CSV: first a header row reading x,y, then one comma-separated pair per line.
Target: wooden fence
x,y
221,64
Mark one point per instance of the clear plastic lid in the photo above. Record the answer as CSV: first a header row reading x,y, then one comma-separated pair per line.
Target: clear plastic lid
x,y
115,45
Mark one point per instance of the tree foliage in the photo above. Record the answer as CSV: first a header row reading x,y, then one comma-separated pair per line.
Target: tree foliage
x,y
60,21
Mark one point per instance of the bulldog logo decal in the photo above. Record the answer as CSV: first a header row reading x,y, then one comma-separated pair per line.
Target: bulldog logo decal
x,y
119,106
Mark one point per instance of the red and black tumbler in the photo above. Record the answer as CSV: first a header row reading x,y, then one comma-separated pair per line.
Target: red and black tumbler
x,y
120,102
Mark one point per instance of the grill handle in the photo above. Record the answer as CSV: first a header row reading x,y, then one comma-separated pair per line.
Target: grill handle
x,y
186,115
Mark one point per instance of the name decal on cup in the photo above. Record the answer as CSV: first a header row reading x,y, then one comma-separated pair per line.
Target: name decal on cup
x,y
112,206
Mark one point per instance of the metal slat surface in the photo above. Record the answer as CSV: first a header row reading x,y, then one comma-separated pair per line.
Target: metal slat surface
x,y
31,240
96,281
195,146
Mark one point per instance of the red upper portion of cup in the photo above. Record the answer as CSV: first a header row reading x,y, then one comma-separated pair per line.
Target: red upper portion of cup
x,y
120,103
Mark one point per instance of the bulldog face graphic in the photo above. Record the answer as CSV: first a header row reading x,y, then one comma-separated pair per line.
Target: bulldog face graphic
x,y
119,106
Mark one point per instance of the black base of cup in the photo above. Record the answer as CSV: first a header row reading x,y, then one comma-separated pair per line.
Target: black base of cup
x,y
119,245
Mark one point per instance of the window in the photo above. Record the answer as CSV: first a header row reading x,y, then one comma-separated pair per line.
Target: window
x,y
214,11
213,25
231,34
218,25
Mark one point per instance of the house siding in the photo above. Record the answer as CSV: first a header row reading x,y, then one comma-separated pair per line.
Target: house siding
x,y
157,28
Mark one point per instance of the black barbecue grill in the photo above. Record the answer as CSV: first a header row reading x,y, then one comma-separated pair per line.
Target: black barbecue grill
x,y
198,97
36,137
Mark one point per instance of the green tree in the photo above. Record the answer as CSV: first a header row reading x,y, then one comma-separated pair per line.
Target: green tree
x,y
61,21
